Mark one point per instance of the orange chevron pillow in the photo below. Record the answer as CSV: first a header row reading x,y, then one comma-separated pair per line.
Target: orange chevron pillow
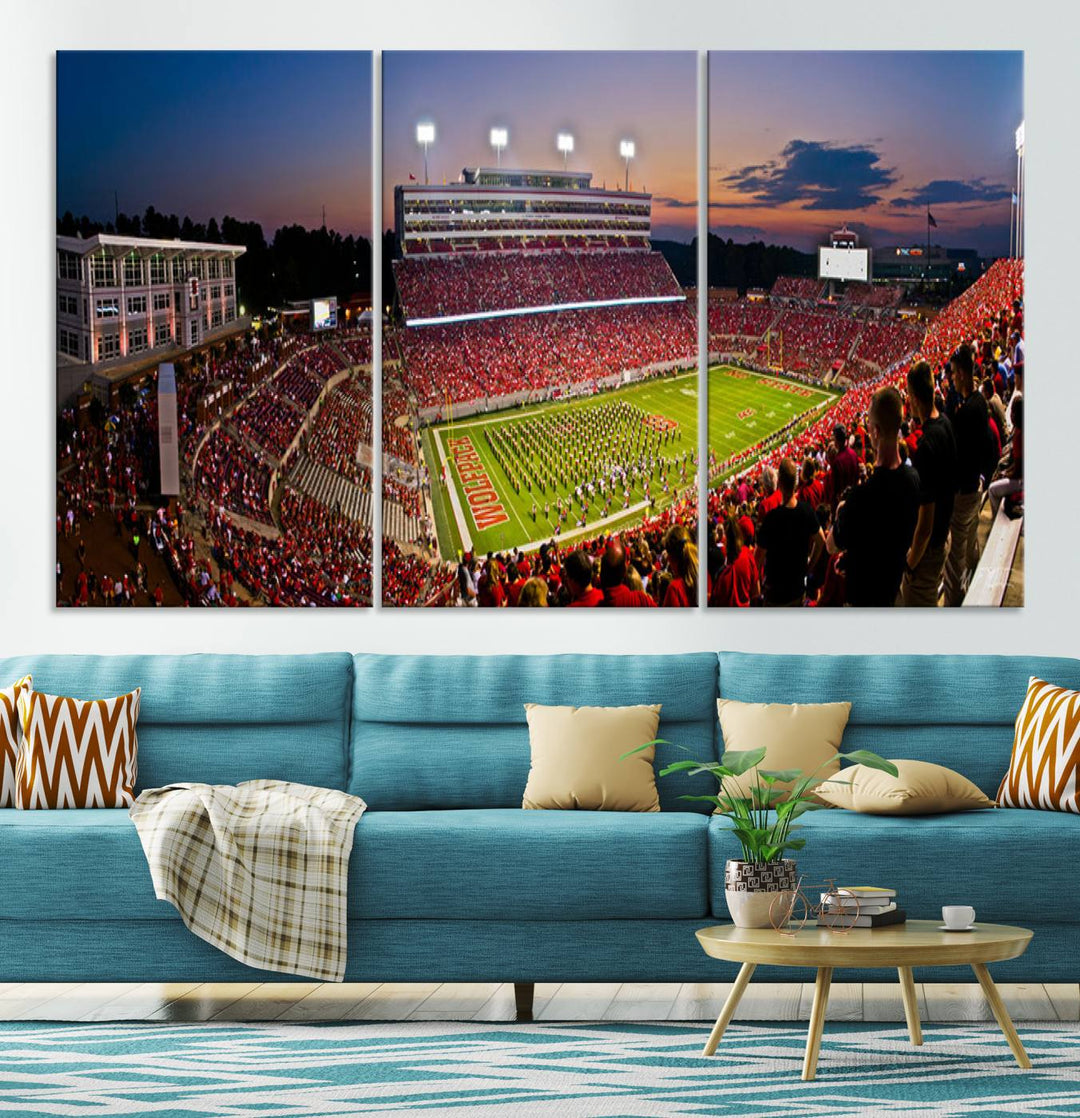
x,y
9,738
1044,771
76,753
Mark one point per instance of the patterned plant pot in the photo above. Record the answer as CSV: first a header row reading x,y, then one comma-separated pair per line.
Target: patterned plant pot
x,y
752,888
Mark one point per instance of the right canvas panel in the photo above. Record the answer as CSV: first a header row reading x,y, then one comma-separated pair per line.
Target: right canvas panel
x,y
866,329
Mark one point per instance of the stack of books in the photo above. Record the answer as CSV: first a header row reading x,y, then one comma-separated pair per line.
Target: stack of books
x,y
860,906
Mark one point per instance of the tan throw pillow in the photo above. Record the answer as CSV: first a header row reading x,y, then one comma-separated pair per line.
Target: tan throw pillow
x,y
76,753
1044,770
9,738
576,755
919,788
795,736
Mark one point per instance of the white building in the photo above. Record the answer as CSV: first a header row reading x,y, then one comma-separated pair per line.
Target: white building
x,y
122,298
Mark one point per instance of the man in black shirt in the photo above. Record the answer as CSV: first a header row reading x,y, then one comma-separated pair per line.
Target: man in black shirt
x,y
875,525
971,425
935,461
788,543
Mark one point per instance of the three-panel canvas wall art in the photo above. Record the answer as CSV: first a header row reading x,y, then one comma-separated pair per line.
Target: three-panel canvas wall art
x,y
542,332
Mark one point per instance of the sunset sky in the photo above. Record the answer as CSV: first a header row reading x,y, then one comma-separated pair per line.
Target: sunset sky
x,y
800,142
601,98
262,136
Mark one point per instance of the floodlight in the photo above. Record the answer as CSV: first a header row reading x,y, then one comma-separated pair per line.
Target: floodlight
x,y
425,134
565,143
626,150
499,137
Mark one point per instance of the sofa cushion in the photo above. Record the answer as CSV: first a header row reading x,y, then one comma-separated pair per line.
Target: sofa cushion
x,y
504,864
219,719
1009,864
513,864
72,865
451,732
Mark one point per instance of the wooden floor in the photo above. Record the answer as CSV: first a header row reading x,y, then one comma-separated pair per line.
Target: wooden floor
x,y
486,1001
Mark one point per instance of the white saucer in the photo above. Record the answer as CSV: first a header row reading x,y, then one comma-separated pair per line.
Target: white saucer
x,y
946,928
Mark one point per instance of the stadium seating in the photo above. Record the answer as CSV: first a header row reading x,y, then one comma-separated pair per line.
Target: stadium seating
x,y
341,426
322,553
495,357
797,287
979,310
875,295
434,286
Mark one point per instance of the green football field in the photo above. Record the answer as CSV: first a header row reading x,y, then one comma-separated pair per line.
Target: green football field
x,y
744,408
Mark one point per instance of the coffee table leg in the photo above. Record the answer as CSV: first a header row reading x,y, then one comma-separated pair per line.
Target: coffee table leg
x,y
817,1021
1001,1014
730,1006
911,1004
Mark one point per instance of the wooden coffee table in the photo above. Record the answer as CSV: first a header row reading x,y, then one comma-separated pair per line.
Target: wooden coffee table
x,y
918,943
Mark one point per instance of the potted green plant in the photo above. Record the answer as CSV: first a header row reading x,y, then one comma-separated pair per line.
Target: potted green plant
x,y
763,822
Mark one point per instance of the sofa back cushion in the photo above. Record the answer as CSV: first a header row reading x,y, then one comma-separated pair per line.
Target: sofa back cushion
x,y
958,711
218,719
450,731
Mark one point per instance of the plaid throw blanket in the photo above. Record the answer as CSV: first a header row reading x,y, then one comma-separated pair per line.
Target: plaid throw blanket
x,y
258,869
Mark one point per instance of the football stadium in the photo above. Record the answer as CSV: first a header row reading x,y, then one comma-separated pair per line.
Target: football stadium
x,y
860,343
543,359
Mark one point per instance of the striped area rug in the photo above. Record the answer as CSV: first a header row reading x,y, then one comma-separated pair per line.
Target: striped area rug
x,y
543,1070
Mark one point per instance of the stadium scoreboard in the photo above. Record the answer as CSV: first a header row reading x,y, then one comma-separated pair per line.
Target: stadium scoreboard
x,y
842,263
324,314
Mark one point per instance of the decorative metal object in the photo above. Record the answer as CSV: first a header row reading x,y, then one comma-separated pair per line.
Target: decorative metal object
x,y
790,912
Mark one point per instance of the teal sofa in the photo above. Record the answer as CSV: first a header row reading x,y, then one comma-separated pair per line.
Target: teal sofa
x,y
451,881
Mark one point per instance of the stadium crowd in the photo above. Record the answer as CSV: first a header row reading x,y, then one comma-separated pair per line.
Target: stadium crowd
x,y
877,502
500,356
340,427
432,286
653,564
107,471
797,287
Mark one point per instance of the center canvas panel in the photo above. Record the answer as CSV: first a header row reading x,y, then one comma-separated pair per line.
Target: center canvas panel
x,y
540,359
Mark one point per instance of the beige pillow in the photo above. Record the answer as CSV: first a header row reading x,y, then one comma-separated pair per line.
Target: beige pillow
x,y
576,755
795,736
921,788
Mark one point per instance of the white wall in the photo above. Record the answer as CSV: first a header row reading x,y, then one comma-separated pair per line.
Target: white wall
x,y
33,32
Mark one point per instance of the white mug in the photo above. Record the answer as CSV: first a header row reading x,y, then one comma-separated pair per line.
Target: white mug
x,y
958,916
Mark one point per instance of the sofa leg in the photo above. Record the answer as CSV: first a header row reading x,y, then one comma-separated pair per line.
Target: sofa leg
x,y
523,1000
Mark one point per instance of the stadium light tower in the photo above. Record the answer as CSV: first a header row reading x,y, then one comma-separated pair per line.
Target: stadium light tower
x,y
499,137
626,150
565,143
425,135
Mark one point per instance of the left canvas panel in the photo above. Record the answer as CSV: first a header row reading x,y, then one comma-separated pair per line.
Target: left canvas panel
x,y
213,342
